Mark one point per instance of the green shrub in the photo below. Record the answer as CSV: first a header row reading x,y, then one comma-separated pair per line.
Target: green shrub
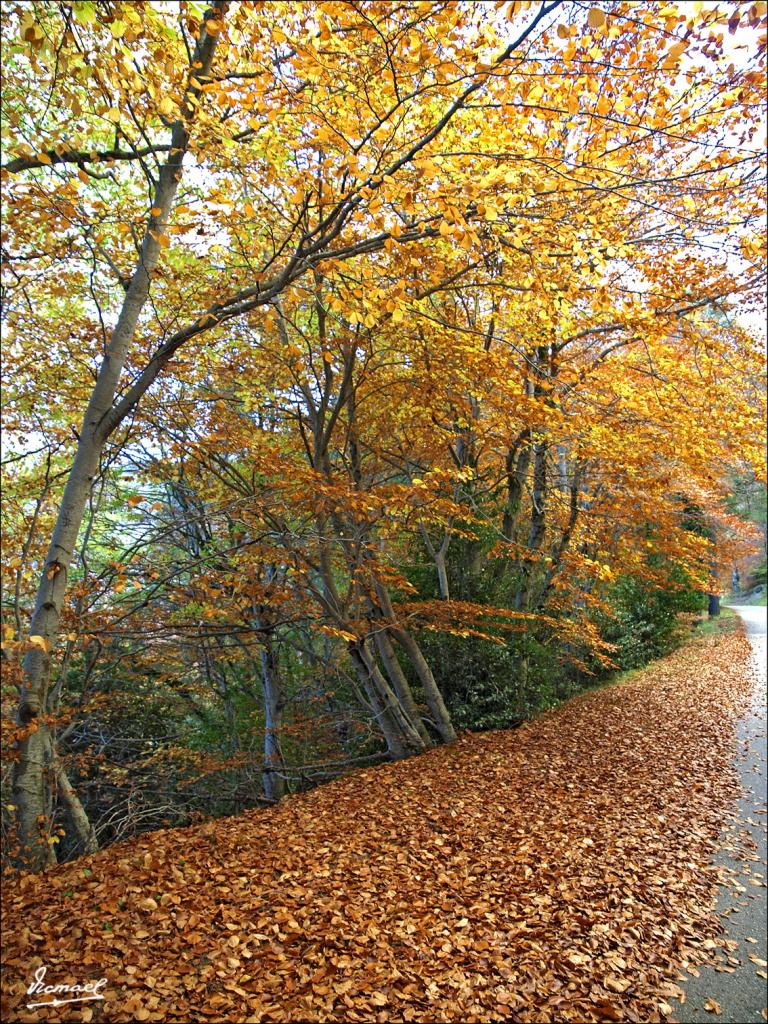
x,y
490,685
644,622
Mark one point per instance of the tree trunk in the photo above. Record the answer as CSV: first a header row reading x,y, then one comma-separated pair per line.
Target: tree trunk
x,y
32,777
400,734
440,714
442,575
400,684
517,464
438,557
713,600
272,779
81,826
538,523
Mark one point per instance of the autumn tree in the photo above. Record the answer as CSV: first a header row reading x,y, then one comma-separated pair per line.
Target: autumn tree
x,y
458,257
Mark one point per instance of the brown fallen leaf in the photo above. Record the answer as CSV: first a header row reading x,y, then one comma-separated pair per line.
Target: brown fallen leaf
x,y
354,862
608,1012
712,1006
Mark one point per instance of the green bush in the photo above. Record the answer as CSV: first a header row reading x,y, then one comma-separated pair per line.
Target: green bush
x,y
644,622
490,685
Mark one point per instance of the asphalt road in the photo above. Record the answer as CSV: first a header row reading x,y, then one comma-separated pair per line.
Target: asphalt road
x,y
742,996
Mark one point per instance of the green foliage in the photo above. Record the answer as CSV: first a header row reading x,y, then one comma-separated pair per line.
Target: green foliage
x,y
478,678
644,622
490,685
749,501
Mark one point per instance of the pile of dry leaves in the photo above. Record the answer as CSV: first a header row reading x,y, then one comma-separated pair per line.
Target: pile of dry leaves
x,y
560,871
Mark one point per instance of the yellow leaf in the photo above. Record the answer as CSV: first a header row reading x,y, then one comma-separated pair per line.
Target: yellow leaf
x,y
40,641
166,106
43,158
535,94
596,17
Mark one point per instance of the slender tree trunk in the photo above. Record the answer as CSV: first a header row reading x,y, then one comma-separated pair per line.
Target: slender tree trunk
x,y
517,473
438,557
400,734
440,715
713,600
32,778
538,523
81,826
556,557
272,779
400,684
442,575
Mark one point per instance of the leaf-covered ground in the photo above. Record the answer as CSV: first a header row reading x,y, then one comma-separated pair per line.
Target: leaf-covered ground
x,y
558,872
